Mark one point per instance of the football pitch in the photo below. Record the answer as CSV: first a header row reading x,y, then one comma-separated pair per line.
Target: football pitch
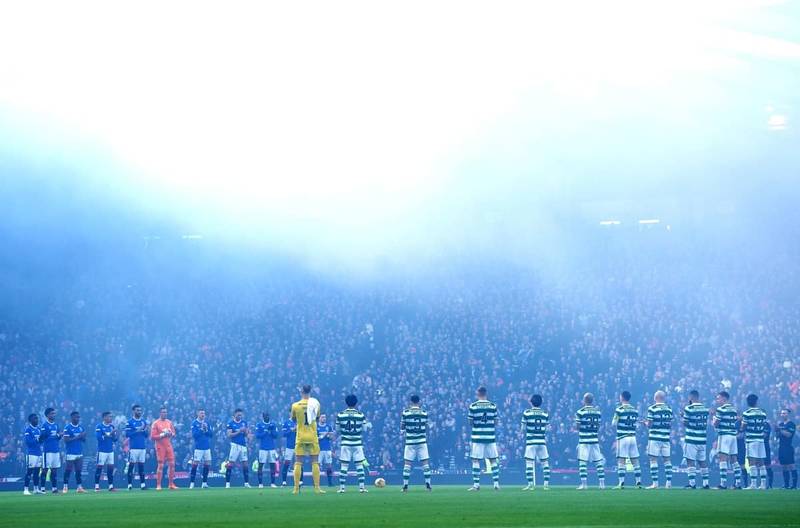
x,y
446,506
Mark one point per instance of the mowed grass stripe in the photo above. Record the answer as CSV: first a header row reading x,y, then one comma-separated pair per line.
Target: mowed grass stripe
x,y
447,506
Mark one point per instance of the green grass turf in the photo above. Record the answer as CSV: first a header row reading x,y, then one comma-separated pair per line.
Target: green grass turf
x,y
445,506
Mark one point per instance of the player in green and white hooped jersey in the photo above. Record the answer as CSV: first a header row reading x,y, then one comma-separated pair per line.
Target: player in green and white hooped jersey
x,y
483,421
625,418
727,449
351,424
753,420
659,421
587,421
695,424
534,423
414,426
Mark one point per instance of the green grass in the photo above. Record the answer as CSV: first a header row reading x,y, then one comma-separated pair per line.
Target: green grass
x,y
446,506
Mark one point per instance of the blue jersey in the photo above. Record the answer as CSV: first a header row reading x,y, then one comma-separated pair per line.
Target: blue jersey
x,y
235,427
51,437
33,443
106,435
266,432
137,433
75,447
290,433
201,433
324,439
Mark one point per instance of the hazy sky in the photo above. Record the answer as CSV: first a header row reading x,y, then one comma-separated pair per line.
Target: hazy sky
x,y
360,129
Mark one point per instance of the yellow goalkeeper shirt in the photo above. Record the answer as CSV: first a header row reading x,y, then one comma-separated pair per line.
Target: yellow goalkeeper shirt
x,y
306,432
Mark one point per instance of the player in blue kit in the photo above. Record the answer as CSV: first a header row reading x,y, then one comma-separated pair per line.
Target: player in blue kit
x,y
201,434
106,435
266,433
290,439
237,433
74,437
33,454
137,431
325,433
51,444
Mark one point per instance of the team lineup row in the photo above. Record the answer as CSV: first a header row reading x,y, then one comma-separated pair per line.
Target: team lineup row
x,y
310,437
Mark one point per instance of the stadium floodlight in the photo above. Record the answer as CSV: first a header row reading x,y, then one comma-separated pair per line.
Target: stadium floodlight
x,y
650,221
609,222
777,122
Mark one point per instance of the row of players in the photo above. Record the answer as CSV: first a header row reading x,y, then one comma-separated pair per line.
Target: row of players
x,y
43,452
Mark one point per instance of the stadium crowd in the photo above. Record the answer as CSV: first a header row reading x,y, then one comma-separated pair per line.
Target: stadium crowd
x,y
188,342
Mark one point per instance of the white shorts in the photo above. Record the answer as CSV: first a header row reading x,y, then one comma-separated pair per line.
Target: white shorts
x,y
536,452
590,453
52,460
105,459
238,453
726,445
756,449
136,456
627,448
34,461
658,448
288,454
70,458
326,457
415,452
267,456
480,451
351,454
695,452
202,455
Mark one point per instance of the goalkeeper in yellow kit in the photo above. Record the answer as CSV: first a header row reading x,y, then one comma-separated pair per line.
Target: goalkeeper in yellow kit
x,y
305,414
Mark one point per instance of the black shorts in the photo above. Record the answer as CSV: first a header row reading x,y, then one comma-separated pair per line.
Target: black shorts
x,y
786,456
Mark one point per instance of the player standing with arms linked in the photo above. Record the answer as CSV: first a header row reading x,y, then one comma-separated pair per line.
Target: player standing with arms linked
x,y
659,423
350,424
785,431
725,424
33,455
237,433
266,433
534,424
482,417
625,418
51,437
74,437
753,421
136,431
414,426
106,435
325,433
305,414
289,430
587,420
201,435
162,433
695,424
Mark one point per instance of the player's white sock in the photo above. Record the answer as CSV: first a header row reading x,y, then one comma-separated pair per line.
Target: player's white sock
x,y
476,474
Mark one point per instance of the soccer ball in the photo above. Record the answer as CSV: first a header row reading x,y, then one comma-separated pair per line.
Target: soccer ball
x,y
380,482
